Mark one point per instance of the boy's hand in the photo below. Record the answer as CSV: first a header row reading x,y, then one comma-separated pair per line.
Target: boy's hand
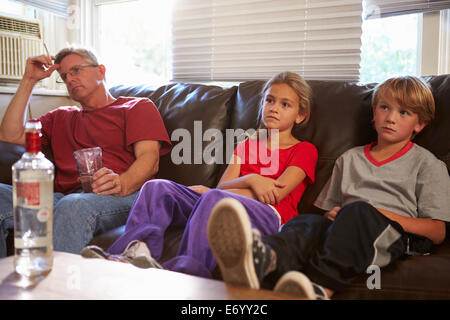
x,y
332,213
199,188
265,189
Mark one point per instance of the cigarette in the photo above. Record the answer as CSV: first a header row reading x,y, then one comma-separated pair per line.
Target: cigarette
x,y
46,50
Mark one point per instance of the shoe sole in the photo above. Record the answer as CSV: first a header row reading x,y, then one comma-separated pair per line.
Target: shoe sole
x,y
230,237
93,252
296,284
143,262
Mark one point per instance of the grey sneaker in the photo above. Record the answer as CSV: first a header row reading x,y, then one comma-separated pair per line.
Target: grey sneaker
x,y
242,257
139,255
297,284
136,253
94,252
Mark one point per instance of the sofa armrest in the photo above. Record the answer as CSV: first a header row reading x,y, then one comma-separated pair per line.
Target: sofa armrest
x,y
9,154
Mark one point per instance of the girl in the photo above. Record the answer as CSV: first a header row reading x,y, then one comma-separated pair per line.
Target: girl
x,y
268,174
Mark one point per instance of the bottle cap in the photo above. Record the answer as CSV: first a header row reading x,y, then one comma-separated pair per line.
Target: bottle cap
x,y
33,136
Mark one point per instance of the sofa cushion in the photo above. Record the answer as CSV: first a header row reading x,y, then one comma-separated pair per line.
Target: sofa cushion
x,y
413,277
333,102
188,111
10,153
436,136
341,118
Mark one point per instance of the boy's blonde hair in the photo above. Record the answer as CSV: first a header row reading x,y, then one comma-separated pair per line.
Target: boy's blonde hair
x,y
299,85
410,92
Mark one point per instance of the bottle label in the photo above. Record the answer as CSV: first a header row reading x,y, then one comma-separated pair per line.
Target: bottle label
x,y
33,141
28,193
34,242
43,215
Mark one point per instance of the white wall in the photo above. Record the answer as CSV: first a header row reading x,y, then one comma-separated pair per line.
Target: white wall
x,y
40,102
434,44
429,43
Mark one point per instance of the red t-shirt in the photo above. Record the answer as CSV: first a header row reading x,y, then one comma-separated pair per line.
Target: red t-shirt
x,y
256,158
114,128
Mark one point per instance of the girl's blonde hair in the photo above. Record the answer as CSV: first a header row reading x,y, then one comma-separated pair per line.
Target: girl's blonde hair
x,y
301,88
410,92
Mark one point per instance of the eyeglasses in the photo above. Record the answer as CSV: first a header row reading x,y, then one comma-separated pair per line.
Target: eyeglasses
x,y
74,71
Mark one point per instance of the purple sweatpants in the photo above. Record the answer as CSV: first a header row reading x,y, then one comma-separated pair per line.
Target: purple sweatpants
x,y
164,203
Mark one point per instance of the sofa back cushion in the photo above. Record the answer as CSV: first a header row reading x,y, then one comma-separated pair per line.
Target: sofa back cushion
x,y
436,136
341,118
188,112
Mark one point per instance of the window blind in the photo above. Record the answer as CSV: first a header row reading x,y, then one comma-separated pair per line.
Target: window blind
x,y
58,7
102,2
386,8
237,40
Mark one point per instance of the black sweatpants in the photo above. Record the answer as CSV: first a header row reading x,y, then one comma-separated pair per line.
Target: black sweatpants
x,y
334,253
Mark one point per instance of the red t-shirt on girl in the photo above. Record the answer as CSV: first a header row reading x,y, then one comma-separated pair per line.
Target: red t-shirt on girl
x,y
257,158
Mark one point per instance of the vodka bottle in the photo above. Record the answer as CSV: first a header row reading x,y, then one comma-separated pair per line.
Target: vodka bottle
x,y
33,178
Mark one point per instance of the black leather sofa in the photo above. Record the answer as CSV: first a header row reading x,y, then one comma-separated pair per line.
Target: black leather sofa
x,y
341,119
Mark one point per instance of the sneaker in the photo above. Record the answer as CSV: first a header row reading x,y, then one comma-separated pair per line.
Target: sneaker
x,y
140,256
297,284
94,252
136,253
242,257
98,253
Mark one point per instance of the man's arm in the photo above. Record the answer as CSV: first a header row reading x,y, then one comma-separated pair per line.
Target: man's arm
x,y
146,165
12,128
432,229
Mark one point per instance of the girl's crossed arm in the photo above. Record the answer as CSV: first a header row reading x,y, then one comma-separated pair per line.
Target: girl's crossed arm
x,y
258,187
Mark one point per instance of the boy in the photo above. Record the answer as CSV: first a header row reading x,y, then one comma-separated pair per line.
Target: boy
x,y
383,200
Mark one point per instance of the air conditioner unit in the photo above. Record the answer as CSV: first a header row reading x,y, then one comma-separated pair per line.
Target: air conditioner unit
x,y
19,39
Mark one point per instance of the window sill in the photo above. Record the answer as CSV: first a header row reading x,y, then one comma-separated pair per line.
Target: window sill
x,y
37,91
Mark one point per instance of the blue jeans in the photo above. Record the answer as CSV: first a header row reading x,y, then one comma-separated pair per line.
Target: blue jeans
x,y
77,217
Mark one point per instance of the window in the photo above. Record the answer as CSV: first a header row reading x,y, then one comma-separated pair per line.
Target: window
x,y
133,41
11,7
237,40
404,37
389,47
41,25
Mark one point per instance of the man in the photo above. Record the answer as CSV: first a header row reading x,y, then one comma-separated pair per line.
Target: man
x,y
130,132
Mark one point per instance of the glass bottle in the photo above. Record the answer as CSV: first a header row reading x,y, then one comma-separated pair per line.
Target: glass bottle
x,y
33,177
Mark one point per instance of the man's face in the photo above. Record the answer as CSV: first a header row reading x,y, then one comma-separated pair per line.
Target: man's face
x,y
81,77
